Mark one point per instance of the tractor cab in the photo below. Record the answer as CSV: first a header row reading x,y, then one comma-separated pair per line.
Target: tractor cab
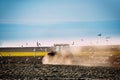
x,y
59,47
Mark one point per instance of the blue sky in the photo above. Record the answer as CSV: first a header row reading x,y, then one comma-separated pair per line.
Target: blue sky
x,y
61,19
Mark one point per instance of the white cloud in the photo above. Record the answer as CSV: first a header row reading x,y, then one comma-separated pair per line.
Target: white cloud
x,y
51,42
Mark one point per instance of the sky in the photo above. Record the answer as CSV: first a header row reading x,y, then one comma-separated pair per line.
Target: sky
x,y
35,20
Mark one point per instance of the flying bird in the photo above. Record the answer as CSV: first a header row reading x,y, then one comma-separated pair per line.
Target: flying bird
x,y
99,34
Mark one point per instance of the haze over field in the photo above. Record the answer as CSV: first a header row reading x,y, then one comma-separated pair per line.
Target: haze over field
x,y
82,22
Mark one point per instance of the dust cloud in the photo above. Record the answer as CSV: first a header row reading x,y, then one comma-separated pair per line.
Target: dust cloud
x,y
84,56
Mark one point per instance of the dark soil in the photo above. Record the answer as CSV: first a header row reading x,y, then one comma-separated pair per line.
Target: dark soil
x,y
57,72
